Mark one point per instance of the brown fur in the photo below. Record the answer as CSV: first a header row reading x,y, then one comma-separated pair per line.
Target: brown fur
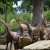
x,y
11,36
23,27
35,32
45,30
48,32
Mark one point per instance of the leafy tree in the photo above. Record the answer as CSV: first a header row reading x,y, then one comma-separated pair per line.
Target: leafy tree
x,y
7,6
26,6
37,9
2,7
47,2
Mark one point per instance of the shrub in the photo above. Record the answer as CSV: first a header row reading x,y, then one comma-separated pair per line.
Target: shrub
x,y
47,15
10,16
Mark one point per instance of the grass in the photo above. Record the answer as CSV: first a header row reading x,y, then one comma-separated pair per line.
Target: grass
x,y
14,26
47,15
11,16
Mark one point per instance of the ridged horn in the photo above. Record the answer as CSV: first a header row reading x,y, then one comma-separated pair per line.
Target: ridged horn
x,y
4,23
7,28
23,21
13,20
19,19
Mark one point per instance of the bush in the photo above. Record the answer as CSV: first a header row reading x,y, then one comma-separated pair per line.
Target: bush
x,y
47,15
10,16
25,16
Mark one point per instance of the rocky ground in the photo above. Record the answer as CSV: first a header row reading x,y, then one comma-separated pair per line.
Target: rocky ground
x,y
45,44
3,41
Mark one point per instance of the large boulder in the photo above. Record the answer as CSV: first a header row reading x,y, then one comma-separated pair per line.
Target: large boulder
x,y
24,42
45,44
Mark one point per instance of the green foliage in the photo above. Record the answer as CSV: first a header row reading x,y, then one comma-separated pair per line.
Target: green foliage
x,y
26,6
47,14
2,7
45,7
46,4
25,16
9,5
10,16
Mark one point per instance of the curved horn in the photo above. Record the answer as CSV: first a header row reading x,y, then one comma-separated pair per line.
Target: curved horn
x,y
7,28
24,21
29,28
21,20
4,23
13,20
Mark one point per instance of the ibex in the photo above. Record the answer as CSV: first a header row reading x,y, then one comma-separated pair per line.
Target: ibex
x,y
11,36
33,32
23,27
46,29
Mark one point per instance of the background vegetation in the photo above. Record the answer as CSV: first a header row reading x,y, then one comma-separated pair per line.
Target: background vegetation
x,y
25,16
26,8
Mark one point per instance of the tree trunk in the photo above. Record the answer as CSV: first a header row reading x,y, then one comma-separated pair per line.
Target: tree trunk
x,y
5,12
37,12
5,15
27,8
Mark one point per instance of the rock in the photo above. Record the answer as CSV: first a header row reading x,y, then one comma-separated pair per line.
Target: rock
x,y
24,42
4,46
2,41
45,44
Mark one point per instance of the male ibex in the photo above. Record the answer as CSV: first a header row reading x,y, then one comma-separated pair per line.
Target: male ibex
x,y
23,27
46,29
11,36
36,31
